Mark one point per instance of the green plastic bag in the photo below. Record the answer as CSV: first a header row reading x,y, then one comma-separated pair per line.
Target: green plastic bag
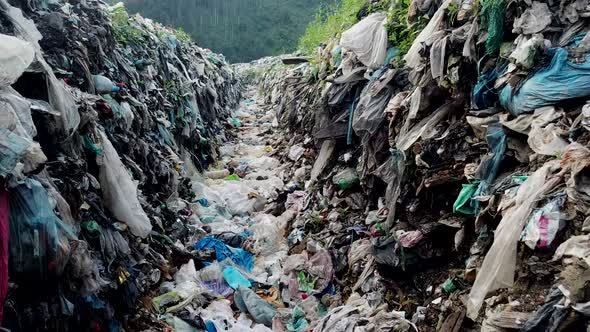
x,y
463,202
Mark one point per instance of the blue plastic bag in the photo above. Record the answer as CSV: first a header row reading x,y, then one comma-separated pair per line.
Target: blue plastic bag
x,y
562,80
222,251
234,278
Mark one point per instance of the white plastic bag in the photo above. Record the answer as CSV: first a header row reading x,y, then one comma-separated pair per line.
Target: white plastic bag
x,y
15,56
368,40
16,135
120,191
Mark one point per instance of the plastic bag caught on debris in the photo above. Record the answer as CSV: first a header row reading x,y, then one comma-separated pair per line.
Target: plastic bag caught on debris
x,y
562,80
368,40
15,56
120,191
498,267
39,240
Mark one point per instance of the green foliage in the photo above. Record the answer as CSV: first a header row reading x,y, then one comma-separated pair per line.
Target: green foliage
x,y
401,34
243,30
125,32
330,22
182,35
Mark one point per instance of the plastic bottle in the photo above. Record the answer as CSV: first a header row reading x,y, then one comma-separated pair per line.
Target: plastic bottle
x,y
104,85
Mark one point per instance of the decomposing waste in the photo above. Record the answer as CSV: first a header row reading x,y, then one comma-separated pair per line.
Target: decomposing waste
x,y
424,170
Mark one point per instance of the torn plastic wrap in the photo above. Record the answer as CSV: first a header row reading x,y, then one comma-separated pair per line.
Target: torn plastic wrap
x,y
120,190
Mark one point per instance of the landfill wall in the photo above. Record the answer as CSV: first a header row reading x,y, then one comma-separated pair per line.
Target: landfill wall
x,y
103,117
447,173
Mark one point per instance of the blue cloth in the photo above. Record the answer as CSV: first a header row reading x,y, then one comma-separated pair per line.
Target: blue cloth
x,y
560,81
234,278
222,251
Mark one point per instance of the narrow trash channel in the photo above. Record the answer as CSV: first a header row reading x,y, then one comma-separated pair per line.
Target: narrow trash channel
x,y
245,252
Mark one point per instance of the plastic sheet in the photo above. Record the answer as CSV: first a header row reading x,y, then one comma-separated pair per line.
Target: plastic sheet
x,y
368,40
15,56
120,191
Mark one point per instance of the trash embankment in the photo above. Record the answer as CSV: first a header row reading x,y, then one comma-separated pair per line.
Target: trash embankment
x,y
105,119
446,178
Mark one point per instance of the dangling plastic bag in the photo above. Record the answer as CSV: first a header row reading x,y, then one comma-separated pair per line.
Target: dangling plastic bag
x,y
39,240
368,40
120,191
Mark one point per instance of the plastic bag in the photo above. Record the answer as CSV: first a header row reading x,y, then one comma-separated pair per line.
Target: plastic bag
x,y
562,80
239,256
248,302
39,240
16,134
120,191
498,267
368,40
15,56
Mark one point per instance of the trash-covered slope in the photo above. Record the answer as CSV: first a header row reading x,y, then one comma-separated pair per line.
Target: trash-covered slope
x,y
447,175
104,117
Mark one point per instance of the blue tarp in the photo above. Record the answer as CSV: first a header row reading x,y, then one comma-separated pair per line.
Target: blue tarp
x,y
241,257
560,81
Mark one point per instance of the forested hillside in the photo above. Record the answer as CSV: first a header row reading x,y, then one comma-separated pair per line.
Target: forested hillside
x,y
242,30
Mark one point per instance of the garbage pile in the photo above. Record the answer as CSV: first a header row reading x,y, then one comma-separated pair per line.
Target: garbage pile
x,y
105,118
438,151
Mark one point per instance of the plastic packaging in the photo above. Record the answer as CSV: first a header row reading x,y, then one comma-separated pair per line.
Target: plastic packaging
x,y
368,40
120,191
542,226
39,240
15,56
